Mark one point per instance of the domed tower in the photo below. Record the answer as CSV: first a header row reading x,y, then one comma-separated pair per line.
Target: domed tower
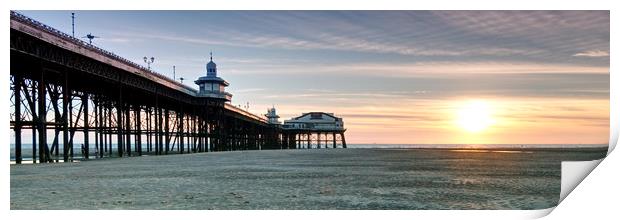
x,y
211,67
272,116
211,85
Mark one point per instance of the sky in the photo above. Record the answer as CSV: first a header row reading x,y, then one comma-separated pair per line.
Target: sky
x,y
396,77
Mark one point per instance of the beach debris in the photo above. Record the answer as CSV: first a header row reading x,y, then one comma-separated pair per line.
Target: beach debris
x,y
326,190
237,195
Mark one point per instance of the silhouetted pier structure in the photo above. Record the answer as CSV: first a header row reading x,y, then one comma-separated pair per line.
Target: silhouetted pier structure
x,y
62,86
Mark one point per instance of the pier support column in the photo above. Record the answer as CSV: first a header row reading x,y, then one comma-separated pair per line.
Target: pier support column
x,y
148,129
42,122
17,84
119,122
109,127
158,131
128,129
180,119
96,125
138,133
326,139
86,125
100,127
31,98
334,139
54,92
167,130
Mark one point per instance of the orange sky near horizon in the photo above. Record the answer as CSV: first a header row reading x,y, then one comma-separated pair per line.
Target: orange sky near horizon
x,y
516,121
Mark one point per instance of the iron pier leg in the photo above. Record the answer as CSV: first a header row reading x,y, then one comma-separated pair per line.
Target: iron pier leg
x,y
109,128
95,129
128,128
138,113
86,125
148,129
344,142
318,140
119,122
42,122
326,140
180,118
334,139
33,111
159,135
17,81
167,130
54,96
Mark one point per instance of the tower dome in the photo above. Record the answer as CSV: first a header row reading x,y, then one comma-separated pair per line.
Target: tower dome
x,y
211,85
272,116
211,67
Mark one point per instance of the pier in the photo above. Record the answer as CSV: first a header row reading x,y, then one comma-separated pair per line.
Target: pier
x,y
62,86
314,130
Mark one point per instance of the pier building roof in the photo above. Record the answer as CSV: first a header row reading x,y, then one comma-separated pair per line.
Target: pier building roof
x,y
315,121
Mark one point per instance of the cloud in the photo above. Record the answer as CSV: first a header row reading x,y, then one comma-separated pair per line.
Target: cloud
x,y
117,40
526,23
546,37
438,68
399,117
592,53
248,90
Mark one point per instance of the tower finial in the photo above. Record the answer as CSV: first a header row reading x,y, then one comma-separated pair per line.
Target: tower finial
x,y
211,56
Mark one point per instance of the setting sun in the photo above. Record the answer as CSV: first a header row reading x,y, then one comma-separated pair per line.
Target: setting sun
x,y
474,116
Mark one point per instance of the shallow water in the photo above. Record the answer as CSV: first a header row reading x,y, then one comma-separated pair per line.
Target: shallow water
x,y
27,148
302,179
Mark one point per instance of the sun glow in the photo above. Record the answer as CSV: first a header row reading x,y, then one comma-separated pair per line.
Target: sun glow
x,y
475,116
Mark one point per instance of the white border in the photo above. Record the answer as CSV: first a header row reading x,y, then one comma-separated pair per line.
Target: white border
x,y
601,176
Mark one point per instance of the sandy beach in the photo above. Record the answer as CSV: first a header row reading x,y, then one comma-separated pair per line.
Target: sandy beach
x,y
301,179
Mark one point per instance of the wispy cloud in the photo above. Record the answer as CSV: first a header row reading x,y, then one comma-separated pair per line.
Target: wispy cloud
x,y
592,53
250,90
440,36
429,68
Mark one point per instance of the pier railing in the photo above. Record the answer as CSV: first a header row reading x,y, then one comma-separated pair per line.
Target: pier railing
x,y
60,34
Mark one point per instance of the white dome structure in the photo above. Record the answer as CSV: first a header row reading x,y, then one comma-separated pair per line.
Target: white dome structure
x,y
211,85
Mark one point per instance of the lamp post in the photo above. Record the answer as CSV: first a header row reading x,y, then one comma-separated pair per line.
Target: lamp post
x,y
149,61
73,24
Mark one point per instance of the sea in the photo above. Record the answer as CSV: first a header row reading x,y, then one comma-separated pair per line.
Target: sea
x,y
77,152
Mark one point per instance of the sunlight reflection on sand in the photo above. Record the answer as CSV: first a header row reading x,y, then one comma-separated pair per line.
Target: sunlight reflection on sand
x,y
491,151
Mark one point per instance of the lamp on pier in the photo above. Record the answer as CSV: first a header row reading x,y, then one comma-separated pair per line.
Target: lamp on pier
x,y
149,61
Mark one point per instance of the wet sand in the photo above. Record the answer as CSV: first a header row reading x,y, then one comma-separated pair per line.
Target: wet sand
x,y
301,179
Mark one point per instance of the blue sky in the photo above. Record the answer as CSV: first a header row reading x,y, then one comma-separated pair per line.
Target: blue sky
x,y
367,65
